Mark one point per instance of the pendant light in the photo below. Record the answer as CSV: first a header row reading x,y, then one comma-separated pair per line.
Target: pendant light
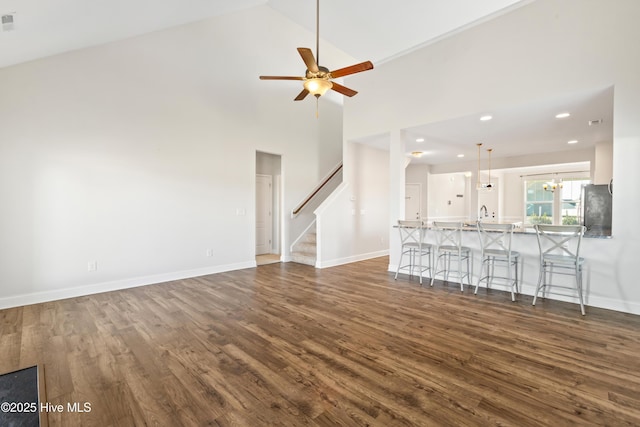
x,y
489,184
478,183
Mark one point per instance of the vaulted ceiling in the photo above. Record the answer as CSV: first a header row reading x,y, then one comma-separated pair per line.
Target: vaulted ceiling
x,y
362,29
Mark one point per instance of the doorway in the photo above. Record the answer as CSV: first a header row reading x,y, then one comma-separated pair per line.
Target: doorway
x,y
264,210
268,208
412,201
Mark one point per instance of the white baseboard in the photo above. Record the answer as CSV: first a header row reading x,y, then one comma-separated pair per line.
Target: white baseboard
x,y
350,259
58,294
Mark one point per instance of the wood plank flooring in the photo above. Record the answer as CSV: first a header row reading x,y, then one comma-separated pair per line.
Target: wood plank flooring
x,y
288,345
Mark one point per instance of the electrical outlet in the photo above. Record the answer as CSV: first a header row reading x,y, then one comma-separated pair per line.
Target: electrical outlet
x,y
92,266
209,252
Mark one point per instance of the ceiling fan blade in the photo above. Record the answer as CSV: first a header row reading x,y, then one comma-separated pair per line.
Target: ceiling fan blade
x,y
309,60
280,78
363,66
302,95
342,89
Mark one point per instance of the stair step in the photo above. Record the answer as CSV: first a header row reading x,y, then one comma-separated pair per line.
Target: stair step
x,y
305,250
309,238
303,259
306,247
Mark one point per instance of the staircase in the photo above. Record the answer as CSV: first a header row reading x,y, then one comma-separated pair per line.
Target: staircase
x,y
304,250
303,223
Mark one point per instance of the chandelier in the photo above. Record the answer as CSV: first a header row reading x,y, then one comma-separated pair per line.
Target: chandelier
x,y
552,186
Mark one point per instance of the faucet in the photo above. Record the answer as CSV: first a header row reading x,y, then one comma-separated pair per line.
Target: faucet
x,y
486,213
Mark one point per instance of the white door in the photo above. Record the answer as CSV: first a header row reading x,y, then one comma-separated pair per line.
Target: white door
x,y
264,201
412,201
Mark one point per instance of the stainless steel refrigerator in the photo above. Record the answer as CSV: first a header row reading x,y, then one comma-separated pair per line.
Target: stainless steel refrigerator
x,y
597,209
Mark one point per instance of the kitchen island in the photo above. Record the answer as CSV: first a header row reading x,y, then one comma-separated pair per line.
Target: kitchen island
x,y
596,251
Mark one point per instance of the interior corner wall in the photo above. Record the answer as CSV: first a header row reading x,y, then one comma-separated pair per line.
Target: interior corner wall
x,y
603,163
536,51
356,225
330,137
136,159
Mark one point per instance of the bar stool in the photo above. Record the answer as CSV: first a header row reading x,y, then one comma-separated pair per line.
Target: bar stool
x,y
495,241
560,253
413,245
448,245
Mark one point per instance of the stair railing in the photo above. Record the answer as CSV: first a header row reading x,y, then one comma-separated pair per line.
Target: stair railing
x,y
316,190
303,218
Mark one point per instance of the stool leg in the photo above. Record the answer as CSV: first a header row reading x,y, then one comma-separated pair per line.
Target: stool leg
x,y
579,285
448,266
470,260
545,289
515,278
513,297
460,276
433,273
399,264
420,263
542,272
479,277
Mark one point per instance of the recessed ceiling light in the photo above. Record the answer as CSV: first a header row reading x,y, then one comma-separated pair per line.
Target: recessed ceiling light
x,y
573,141
562,115
460,155
420,140
486,118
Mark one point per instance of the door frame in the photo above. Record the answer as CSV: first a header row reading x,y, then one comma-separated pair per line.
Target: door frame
x,y
419,185
274,168
268,221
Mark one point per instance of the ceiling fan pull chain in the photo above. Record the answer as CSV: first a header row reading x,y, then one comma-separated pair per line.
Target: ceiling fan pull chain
x,y
317,99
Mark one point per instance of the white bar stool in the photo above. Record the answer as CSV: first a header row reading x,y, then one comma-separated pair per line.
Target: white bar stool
x,y
495,241
449,245
560,253
413,245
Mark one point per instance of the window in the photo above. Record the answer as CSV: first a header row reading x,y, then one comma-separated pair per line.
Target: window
x,y
562,205
539,203
571,211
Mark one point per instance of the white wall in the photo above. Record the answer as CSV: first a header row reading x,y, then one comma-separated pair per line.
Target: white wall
x,y
444,201
140,155
603,164
542,49
353,224
513,197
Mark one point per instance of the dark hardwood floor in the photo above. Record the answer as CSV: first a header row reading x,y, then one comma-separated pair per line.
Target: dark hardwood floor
x,y
289,345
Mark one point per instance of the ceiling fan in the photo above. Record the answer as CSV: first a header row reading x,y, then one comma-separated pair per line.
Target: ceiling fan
x,y
318,79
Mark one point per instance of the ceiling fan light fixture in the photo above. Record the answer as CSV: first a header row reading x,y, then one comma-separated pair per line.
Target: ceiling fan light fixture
x,y
317,79
317,86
